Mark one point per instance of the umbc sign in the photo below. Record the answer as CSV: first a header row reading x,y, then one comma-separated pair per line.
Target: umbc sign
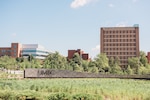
x,y
52,73
35,73
44,72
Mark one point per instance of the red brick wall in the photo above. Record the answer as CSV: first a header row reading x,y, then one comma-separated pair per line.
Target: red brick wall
x,y
148,57
5,51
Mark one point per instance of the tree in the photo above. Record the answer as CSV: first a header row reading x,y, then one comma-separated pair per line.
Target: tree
x,y
30,58
111,62
19,59
94,70
143,58
117,61
114,65
85,65
129,70
8,62
102,62
55,61
77,59
134,64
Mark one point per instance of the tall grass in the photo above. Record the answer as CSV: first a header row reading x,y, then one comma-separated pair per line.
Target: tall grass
x,y
75,89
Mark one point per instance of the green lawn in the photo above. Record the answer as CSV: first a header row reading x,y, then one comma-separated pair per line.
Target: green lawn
x,y
74,89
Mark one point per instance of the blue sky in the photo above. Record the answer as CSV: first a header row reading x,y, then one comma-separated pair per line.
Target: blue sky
x,y
59,25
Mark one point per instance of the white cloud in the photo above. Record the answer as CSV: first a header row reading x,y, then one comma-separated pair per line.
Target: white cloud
x,y
97,48
122,24
111,5
80,3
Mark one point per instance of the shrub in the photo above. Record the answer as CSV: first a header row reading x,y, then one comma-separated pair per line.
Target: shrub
x,y
82,97
59,96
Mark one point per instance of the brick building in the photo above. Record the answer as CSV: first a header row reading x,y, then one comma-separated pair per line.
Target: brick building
x,y
122,42
24,50
148,57
84,56
13,51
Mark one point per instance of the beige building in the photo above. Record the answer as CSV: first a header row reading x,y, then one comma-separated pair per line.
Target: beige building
x,y
122,42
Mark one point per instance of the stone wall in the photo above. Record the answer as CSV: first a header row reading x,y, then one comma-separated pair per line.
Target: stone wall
x,y
51,73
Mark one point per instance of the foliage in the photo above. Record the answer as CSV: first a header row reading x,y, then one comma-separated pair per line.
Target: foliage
x,y
82,97
129,70
55,61
143,58
134,64
114,65
74,89
77,59
59,96
7,62
102,62
85,65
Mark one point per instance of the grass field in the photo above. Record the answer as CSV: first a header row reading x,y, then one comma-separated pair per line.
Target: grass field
x,y
74,89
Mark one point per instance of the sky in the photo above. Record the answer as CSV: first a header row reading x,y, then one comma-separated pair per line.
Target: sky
x,y
60,25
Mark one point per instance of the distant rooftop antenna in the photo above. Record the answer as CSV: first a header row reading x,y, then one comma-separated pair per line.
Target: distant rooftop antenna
x,y
136,25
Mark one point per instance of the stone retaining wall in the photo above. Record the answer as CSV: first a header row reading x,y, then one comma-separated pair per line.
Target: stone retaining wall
x,y
51,73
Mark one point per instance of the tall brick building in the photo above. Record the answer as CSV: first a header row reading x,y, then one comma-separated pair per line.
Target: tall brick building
x,y
122,42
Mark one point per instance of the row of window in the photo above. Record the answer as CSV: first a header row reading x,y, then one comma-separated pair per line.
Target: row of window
x,y
106,49
3,51
119,31
120,53
35,51
119,40
119,44
123,62
119,36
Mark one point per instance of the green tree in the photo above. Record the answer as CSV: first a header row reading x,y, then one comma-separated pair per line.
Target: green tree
x,y
143,58
117,61
19,59
134,64
129,70
102,62
8,62
114,65
85,65
77,59
30,58
94,70
111,62
55,61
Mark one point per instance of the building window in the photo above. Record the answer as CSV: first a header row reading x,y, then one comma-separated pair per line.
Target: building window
x,y
3,51
14,46
130,31
134,48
